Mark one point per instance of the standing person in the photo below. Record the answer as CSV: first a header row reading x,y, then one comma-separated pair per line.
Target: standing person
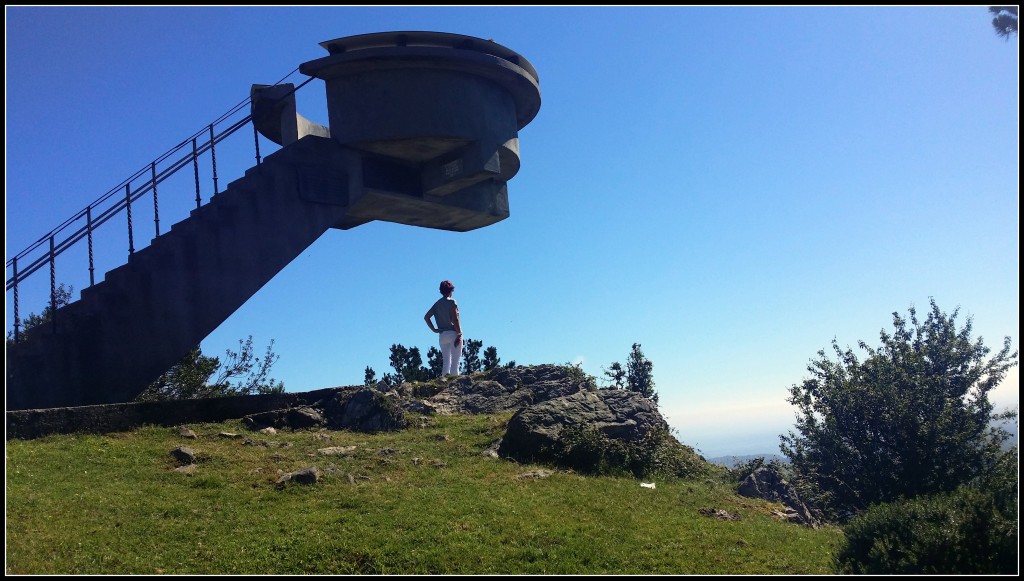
x,y
446,313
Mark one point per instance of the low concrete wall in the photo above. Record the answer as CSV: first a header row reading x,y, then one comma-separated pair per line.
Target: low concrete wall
x,y
98,419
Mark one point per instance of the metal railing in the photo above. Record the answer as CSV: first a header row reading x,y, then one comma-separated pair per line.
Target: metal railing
x,y
83,224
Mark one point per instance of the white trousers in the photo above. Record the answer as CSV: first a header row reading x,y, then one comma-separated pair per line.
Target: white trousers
x,y
451,353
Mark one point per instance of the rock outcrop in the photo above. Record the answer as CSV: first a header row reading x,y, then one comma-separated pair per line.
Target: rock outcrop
x,y
767,483
501,390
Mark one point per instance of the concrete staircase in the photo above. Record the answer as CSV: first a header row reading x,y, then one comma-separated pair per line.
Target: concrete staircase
x,y
145,315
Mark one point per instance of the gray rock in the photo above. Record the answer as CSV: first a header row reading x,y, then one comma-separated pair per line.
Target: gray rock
x,y
718,513
534,474
416,406
766,483
617,414
307,476
336,450
184,455
296,418
365,410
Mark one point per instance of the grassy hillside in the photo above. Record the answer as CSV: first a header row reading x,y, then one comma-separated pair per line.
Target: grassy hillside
x,y
426,500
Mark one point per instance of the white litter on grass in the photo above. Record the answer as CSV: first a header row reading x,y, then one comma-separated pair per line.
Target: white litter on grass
x,y
647,484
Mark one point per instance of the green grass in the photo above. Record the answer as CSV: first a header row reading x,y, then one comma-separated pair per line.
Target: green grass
x,y
421,501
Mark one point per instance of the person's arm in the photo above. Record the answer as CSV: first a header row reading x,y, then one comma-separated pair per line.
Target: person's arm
x,y
430,323
456,322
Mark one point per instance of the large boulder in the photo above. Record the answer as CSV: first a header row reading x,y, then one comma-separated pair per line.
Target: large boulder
x,y
535,432
296,418
365,410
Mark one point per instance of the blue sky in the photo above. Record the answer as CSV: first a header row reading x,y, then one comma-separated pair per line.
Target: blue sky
x,y
730,187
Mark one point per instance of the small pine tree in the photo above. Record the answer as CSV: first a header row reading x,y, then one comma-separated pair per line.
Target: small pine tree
x,y
639,374
407,363
471,356
435,363
491,359
616,376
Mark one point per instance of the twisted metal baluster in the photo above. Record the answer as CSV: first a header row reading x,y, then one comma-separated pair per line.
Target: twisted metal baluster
x,y
17,319
88,229
53,286
128,203
156,204
195,170
213,157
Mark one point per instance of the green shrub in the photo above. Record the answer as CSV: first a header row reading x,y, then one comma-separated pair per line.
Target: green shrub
x,y
427,389
972,530
739,472
575,373
587,450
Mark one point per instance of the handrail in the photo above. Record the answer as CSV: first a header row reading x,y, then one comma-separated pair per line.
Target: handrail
x,y
118,188
112,211
56,244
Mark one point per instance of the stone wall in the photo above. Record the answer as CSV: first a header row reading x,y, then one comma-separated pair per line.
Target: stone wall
x,y
27,424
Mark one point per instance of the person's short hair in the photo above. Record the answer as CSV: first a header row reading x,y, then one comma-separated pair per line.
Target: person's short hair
x,y
447,287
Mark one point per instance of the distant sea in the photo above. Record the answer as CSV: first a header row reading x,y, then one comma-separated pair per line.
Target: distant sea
x,y
731,461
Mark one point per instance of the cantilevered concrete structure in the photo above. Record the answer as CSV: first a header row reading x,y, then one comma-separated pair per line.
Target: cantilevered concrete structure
x,y
423,130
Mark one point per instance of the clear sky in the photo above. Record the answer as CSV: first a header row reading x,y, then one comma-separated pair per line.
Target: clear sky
x,y
730,187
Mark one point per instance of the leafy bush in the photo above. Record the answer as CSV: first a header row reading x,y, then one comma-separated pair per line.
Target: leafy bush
x,y
972,530
912,418
575,373
587,450
197,376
